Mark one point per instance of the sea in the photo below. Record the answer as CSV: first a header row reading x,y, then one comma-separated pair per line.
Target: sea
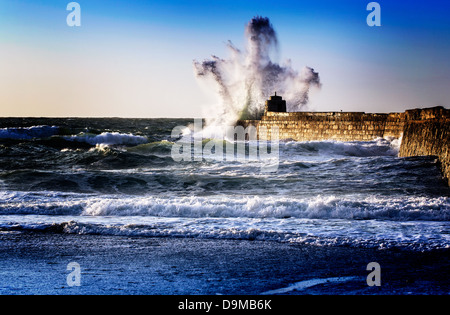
x,y
117,176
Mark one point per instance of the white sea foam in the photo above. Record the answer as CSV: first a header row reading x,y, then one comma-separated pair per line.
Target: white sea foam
x,y
413,208
305,284
377,147
318,232
109,138
350,207
414,223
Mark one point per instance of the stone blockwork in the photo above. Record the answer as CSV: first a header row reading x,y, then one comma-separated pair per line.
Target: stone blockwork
x,y
427,132
423,131
340,126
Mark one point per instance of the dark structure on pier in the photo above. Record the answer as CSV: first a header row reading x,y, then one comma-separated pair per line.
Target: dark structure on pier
x,y
275,104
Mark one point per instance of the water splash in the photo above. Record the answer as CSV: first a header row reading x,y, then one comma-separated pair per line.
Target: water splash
x,y
247,78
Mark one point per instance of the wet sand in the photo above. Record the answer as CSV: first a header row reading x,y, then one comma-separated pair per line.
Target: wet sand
x,y
36,263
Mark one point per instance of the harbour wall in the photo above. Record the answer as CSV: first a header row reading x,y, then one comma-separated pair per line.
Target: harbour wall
x,y
427,132
423,131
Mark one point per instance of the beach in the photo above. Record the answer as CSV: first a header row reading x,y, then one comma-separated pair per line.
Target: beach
x,y
36,263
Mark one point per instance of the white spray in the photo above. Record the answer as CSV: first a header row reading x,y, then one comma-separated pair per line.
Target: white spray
x,y
249,77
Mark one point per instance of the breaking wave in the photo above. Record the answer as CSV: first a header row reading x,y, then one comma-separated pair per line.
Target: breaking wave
x,y
27,133
377,147
109,138
418,236
318,207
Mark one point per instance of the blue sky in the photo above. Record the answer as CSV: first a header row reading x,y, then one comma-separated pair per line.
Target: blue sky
x,y
134,58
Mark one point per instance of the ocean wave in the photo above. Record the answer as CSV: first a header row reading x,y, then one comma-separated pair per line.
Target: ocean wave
x,y
109,138
420,236
377,147
157,147
319,207
28,133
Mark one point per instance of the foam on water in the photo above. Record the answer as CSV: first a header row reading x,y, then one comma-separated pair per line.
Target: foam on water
x,y
302,285
109,138
325,149
414,223
350,207
415,235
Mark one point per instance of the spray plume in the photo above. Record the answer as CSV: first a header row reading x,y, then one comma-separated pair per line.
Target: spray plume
x,y
245,80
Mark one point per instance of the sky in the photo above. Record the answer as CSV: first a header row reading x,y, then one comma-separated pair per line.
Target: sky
x,y
135,58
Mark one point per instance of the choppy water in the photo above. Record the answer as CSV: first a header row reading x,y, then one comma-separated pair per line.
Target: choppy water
x,y
117,177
